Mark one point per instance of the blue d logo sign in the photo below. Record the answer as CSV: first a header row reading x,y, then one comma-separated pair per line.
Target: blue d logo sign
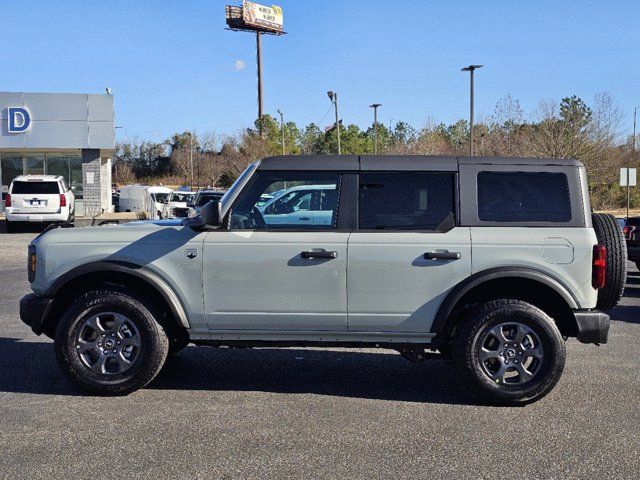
x,y
19,119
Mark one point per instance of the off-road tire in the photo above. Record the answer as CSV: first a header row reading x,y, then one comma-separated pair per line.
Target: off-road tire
x,y
466,350
153,351
610,235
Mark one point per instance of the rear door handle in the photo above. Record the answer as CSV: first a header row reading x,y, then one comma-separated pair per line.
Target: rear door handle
x,y
318,253
305,218
442,255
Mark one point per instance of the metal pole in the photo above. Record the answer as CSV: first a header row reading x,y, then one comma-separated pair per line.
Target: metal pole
x,y
259,61
335,104
191,154
375,126
282,129
471,69
471,115
375,130
633,154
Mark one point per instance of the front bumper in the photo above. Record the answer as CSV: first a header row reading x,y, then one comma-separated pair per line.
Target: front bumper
x,y
34,311
593,326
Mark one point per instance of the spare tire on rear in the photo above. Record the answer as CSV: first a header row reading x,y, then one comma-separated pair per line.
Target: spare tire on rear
x,y
610,235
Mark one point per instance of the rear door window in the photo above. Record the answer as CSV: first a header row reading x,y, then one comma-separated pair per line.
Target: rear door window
x,y
406,201
35,188
523,197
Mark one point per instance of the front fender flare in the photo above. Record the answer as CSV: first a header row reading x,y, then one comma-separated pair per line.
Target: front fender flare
x,y
151,278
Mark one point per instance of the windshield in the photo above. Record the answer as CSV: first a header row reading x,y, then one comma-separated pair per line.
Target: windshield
x,y
205,198
160,197
181,197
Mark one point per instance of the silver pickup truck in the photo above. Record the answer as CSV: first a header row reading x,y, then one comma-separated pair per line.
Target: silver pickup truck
x,y
492,262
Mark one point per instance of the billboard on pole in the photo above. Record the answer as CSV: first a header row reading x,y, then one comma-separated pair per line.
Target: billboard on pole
x,y
262,17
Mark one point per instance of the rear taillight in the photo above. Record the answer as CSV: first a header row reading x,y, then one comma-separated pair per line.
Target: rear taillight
x,y
7,200
63,200
599,267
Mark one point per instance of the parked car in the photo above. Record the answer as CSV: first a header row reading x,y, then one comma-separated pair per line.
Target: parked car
x,y
422,255
300,204
631,231
176,205
203,197
38,199
146,199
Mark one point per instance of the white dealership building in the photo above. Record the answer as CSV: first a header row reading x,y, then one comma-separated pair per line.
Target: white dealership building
x,y
65,134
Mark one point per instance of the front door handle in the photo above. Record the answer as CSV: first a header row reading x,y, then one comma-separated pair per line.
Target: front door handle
x,y
305,218
318,253
442,255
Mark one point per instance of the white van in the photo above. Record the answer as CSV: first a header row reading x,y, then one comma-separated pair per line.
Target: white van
x,y
143,198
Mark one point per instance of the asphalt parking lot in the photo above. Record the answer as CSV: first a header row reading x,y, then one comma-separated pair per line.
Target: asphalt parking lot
x,y
305,413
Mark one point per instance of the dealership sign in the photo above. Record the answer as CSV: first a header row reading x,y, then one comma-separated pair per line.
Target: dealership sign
x,y
256,15
18,119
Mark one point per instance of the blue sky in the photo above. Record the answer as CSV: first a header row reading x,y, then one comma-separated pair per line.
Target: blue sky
x,y
173,66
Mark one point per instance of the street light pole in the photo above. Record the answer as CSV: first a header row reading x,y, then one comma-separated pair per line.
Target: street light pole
x,y
333,96
375,126
191,155
259,61
633,155
471,69
282,129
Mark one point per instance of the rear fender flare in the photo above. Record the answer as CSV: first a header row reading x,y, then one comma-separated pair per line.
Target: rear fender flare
x,y
477,279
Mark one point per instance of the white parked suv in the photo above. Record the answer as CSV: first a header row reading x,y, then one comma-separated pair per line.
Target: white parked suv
x,y
492,262
38,199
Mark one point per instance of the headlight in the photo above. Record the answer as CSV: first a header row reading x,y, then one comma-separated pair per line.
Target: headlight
x,y
31,263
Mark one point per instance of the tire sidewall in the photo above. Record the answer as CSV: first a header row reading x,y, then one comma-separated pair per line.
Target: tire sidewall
x,y
94,303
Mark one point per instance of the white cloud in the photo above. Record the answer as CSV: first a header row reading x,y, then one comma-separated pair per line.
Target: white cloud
x,y
239,65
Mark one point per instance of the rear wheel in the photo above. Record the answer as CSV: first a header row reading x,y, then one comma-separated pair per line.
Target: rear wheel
x,y
610,235
109,343
510,351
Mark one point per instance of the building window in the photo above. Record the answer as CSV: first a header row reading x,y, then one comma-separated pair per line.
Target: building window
x,y
34,164
11,167
68,166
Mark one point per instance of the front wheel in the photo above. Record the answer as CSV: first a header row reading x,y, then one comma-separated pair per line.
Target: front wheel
x,y
109,343
510,351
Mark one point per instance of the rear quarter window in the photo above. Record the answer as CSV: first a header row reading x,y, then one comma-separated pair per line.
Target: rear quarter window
x,y
35,188
523,197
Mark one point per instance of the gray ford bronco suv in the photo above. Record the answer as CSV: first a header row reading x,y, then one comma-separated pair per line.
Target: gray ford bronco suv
x,y
493,262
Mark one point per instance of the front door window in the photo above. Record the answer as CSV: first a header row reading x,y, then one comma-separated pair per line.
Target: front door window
x,y
288,200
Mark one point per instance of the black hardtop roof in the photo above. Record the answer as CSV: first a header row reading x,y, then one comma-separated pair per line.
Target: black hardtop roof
x,y
399,162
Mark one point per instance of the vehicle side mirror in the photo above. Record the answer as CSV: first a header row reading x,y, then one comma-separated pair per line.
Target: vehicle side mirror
x,y
210,214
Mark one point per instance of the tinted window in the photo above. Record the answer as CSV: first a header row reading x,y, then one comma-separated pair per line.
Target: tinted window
x,y
35,188
288,200
406,201
523,197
